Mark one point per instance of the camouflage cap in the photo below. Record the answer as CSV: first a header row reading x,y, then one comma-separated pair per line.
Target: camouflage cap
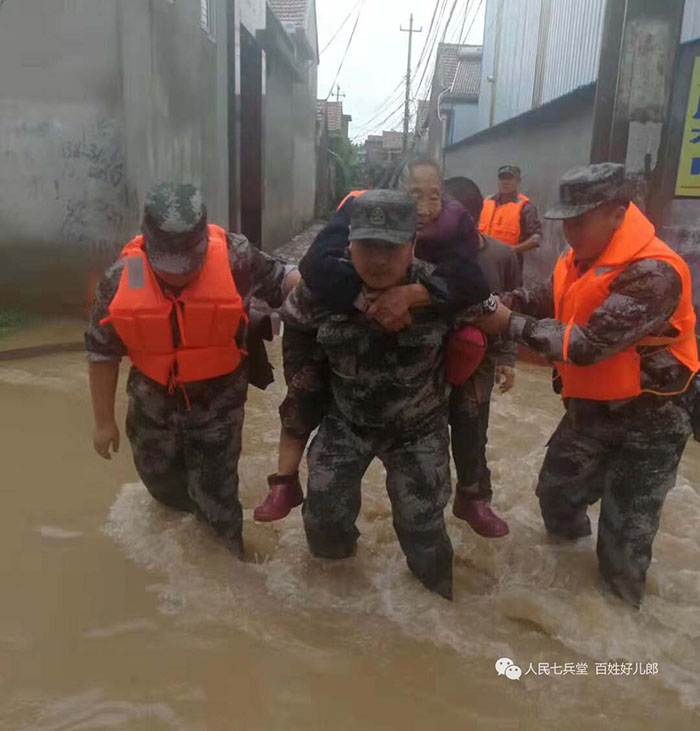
x,y
384,215
175,228
585,188
509,170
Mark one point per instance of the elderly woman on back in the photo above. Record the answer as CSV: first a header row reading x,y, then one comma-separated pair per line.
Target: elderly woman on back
x,y
447,238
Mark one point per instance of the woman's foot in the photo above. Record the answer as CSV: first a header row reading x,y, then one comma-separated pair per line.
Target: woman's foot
x,y
477,512
285,495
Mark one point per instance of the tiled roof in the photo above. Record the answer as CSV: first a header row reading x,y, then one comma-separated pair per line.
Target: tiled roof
x,y
458,68
467,81
447,60
290,11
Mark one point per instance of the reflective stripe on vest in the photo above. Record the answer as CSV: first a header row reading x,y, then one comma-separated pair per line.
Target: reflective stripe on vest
x,y
208,311
577,297
352,194
503,222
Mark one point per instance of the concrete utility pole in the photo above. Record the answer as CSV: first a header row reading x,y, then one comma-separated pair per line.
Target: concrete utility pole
x,y
635,81
338,95
407,109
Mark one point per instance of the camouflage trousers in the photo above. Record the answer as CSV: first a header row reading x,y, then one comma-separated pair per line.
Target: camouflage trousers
x,y
187,454
628,459
470,410
418,483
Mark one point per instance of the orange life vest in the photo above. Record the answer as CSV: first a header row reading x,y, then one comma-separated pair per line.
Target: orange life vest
x,y
577,297
352,194
503,222
209,312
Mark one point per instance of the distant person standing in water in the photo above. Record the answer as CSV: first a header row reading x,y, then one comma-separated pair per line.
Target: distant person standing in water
x,y
510,216
470,405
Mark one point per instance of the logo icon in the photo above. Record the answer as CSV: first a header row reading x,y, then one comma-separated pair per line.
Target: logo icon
x,y
505,666
377,217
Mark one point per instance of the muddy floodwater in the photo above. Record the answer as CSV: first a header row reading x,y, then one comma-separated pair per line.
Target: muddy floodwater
x,y
118,614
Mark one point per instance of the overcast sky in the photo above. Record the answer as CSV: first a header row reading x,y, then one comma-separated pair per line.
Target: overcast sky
x,y
376,62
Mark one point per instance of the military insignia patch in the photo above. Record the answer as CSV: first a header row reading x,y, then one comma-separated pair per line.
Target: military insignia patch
x,y
377,217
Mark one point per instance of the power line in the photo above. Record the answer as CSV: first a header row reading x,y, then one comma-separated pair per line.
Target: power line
x,y
423,87
476,15
430,32
383,123
347,48
464,22
430,58
337,33
425,62
383,106
430,40
449,20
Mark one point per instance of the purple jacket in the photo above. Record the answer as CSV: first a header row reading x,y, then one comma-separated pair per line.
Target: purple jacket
x,y
453,234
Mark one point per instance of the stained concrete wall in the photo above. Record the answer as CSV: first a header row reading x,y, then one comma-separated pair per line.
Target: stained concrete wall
x,y
98,100
545,144
175,99
290,149
62,175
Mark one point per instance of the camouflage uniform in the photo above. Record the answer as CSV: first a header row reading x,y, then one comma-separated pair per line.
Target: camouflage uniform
x,y
388,399
623,453
187,442
470,405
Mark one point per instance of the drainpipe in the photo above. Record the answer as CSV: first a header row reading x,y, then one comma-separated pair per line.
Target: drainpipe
x,y
496,55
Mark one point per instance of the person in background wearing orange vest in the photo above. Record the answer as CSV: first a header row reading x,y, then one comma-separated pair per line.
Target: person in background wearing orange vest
x,y
511,217
352,194
176,303
617,320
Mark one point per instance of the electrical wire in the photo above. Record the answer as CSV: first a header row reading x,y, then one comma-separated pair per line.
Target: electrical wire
x,y
382,108
432,55
347,48
429,34
449,21
476,15
340,28
467,5
394,112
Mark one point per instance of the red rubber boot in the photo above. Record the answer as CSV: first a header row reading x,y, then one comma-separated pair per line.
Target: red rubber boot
x,y
285,495
480,517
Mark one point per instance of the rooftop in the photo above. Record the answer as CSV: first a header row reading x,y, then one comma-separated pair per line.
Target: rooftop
x,y
291,11
458,68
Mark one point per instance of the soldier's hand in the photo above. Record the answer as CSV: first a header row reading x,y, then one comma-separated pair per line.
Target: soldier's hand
x,y
104,437
496,323
505,378
391,309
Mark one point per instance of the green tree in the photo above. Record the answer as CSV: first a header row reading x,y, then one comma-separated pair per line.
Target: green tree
x,y
349,173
